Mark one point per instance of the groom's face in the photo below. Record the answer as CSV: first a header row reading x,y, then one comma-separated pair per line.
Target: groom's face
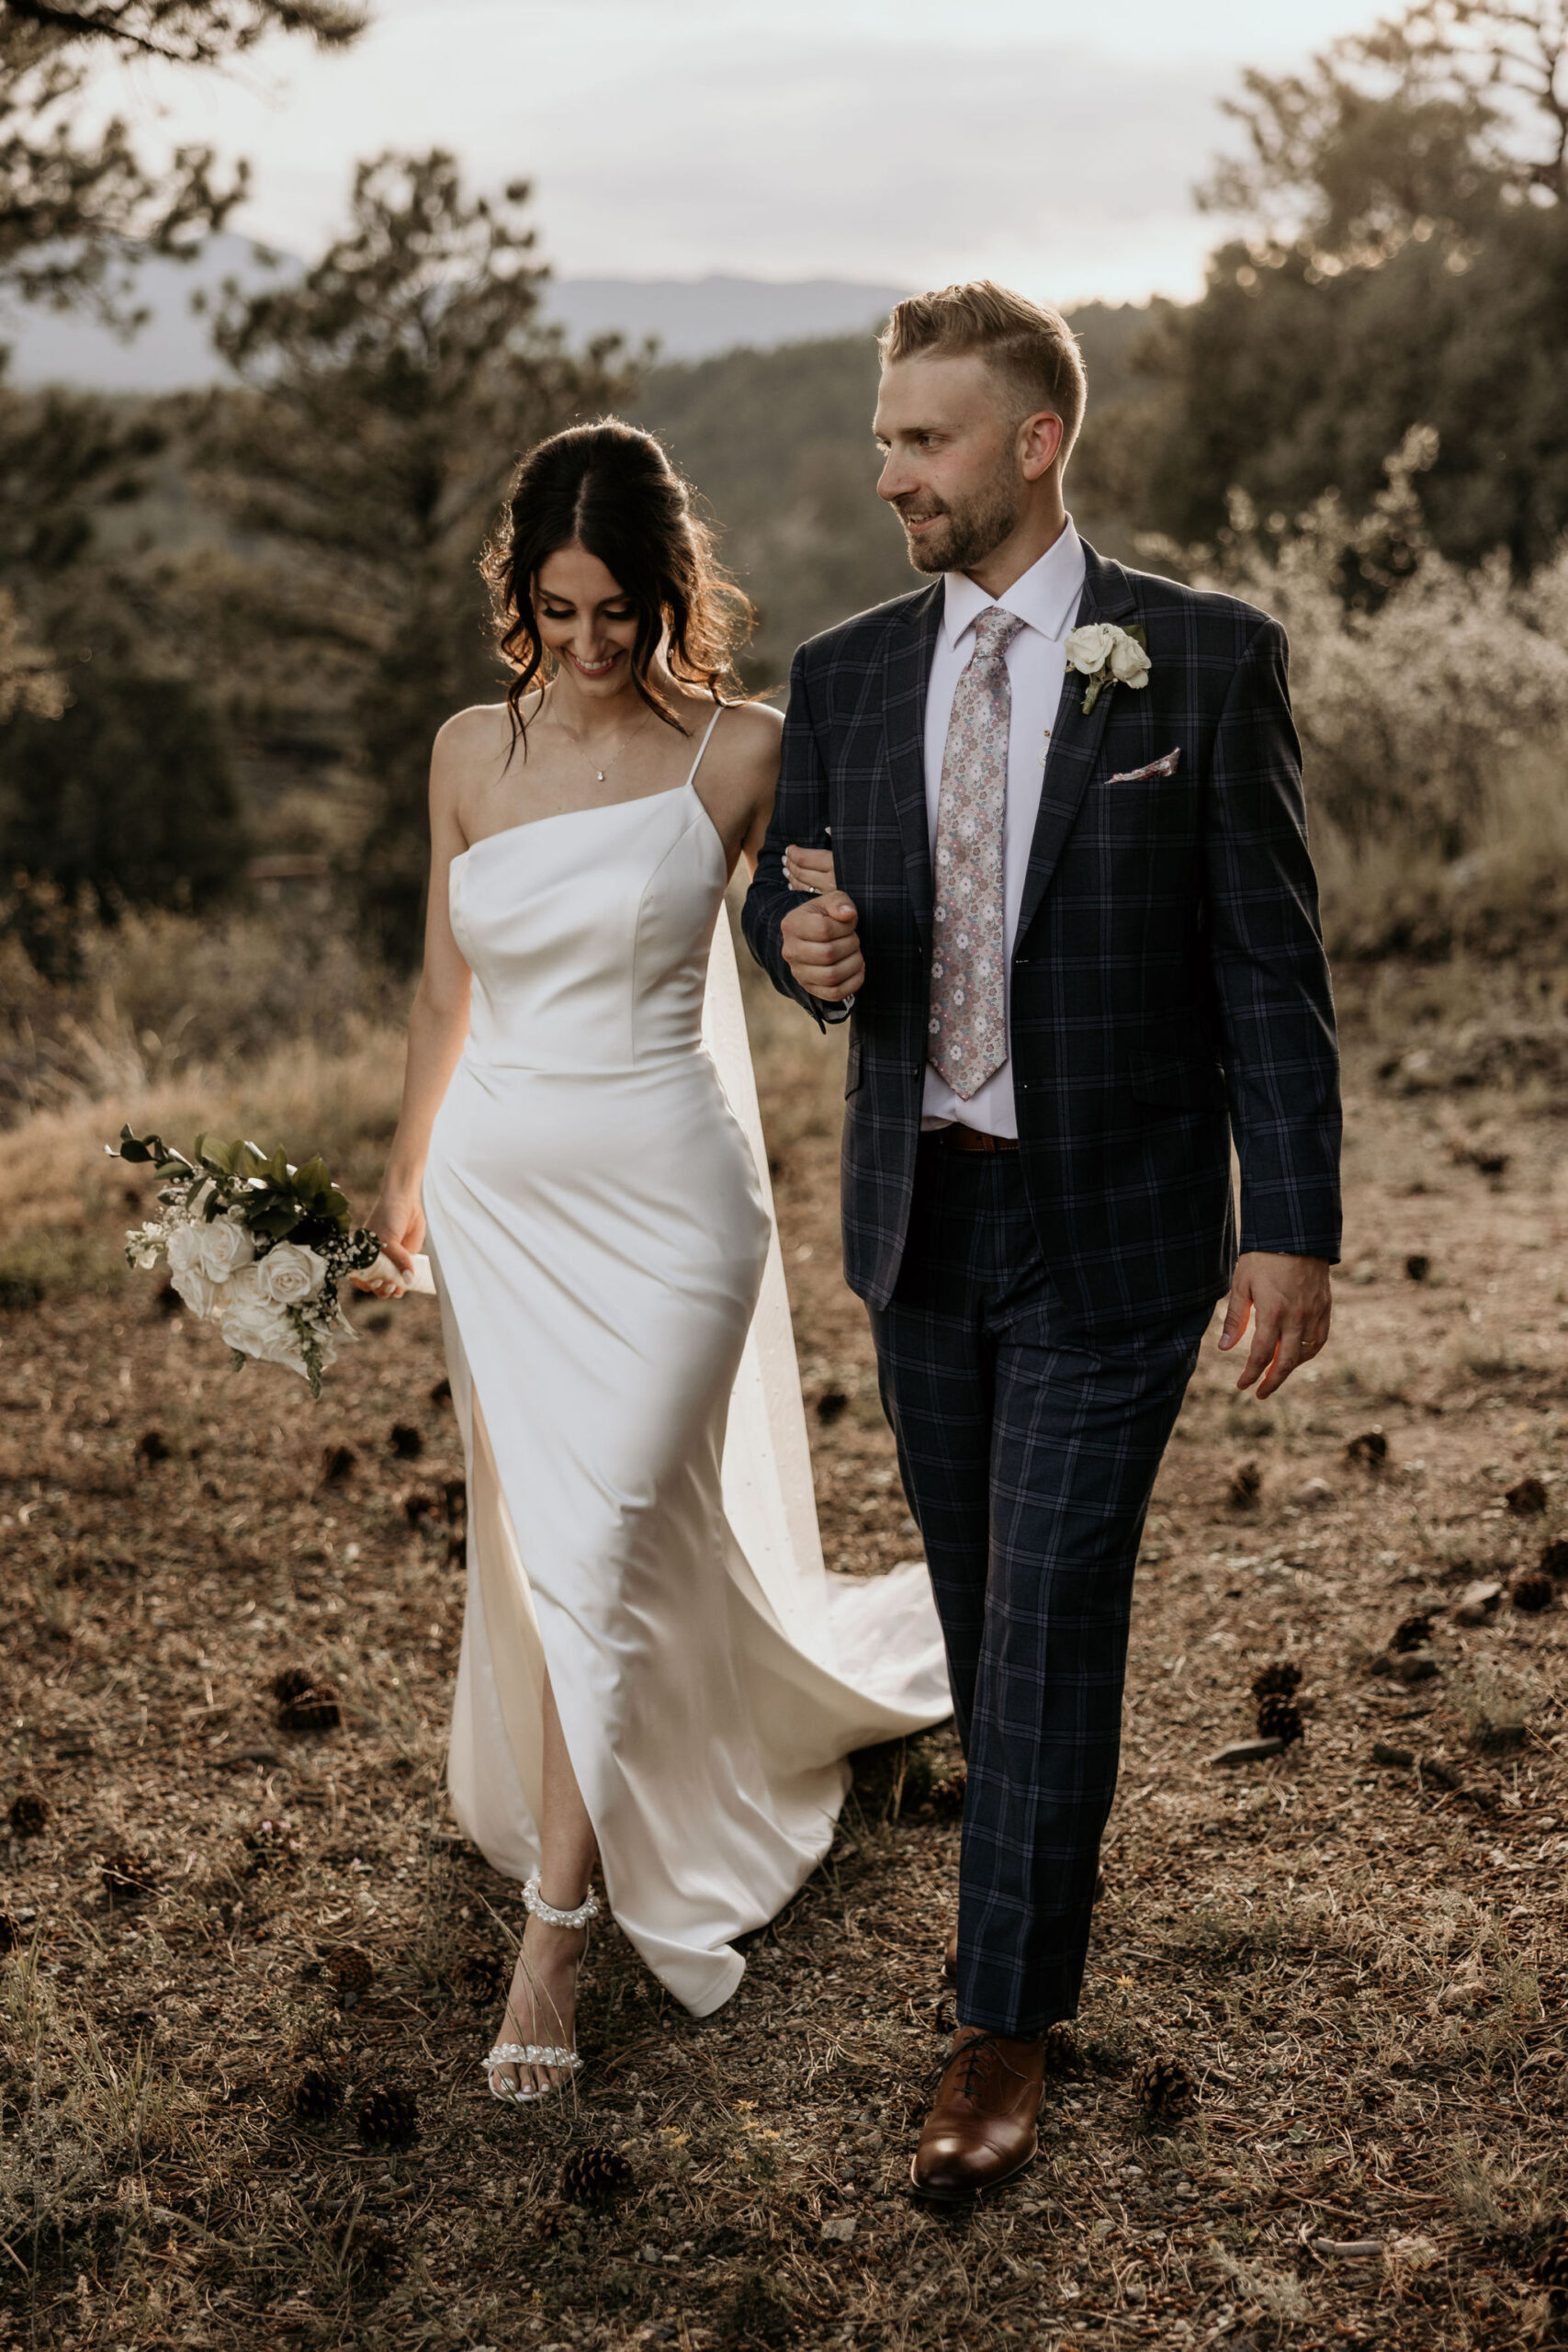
x,y
952,471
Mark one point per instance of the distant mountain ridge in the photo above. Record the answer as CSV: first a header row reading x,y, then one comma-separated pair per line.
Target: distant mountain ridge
x,y
691,318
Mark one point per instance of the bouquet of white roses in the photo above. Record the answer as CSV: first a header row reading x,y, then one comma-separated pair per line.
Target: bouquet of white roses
x,y
253,1245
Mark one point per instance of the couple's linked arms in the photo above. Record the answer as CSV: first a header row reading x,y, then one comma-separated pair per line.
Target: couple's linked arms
x,y
1270,976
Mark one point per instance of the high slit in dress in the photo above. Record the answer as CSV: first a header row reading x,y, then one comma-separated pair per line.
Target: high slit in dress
x,y
641,1522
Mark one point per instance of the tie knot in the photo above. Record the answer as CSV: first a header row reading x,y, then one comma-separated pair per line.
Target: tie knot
x,y
995,631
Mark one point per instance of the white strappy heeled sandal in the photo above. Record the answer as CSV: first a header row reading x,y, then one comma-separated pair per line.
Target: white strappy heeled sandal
x,y
538,2054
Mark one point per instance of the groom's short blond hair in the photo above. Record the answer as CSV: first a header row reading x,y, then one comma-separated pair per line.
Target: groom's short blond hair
x,y
1027,343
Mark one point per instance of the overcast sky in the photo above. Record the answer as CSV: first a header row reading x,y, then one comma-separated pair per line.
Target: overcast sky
x,y
1048,143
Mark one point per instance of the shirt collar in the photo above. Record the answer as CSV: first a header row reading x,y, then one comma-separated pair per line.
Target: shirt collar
x,y
1046,597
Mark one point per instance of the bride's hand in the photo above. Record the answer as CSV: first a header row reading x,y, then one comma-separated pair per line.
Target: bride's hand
x,y
809,869
398,1222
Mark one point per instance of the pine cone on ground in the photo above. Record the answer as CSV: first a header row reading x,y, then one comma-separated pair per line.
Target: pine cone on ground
x,y
1411,1633
1279,1718
945,1802
1527,1498
364,2241
475,1976
441,1394
594,2176
316,2095
10,1933
406,1440
1370,1449
1063,2055
1164,2086
1246,1486
292,1682
388,2115
417,1505
350,1973
316,1708
30,1815
337,1463
271,1845
1553,1560
1531,1591
1280,1680
127,1874
1551,2268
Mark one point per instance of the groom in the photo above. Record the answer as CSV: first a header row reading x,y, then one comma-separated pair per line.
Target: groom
x,y
1075,929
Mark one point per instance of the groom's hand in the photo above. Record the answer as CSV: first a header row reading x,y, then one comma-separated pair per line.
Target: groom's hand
x,y
821,946
1289,1302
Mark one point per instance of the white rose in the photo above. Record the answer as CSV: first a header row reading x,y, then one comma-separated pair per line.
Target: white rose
x,y
1088,647
198,1291
1129,662
184,1248
224,1247
144,1243
256,1328
290,1274
243,1288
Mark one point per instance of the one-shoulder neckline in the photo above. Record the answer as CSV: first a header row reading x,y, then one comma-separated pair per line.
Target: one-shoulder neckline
x,y
605,808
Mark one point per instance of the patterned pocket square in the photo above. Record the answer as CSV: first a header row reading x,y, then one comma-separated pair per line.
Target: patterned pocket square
x,y
1168,766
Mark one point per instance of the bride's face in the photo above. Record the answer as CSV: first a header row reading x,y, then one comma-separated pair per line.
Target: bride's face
x,y
586,620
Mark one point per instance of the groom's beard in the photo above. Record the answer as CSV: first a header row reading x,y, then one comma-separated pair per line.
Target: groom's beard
x,y
967,533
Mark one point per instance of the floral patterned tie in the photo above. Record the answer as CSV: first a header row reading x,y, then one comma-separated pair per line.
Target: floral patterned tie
x,y
968,1017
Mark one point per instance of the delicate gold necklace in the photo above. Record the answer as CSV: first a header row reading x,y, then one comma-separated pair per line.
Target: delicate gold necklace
x,y
622,740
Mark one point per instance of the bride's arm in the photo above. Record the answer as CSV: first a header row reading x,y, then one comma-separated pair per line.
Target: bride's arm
x,y
438,1023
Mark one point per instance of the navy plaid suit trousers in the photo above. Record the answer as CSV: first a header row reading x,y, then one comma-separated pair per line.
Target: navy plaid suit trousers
x,y
1028,1458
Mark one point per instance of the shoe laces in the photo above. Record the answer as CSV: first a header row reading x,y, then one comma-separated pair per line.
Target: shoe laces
x,y
980,2049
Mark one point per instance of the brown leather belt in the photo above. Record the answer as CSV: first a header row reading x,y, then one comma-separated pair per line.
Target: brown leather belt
x,y
958,1138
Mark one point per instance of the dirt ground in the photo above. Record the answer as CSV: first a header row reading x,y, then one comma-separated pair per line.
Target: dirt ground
x,y
1355,1947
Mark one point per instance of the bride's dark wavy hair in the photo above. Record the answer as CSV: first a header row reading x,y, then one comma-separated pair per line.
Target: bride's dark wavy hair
x,y
610,489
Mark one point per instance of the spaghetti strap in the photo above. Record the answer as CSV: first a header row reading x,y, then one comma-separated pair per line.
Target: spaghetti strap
x,y
707,737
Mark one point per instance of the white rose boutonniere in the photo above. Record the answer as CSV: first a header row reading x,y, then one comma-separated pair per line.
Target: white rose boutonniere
x,y
1106,655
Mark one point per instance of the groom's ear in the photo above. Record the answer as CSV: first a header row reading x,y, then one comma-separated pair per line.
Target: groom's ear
x,y
1040,443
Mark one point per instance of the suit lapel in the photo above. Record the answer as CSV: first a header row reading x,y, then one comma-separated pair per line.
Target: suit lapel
x,y
909,672
1075,739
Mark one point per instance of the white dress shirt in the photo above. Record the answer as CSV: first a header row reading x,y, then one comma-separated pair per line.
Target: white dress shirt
x,y
1046,600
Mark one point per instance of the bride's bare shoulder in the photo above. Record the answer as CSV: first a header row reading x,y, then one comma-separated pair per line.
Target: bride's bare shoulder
x,y
748,736
477,737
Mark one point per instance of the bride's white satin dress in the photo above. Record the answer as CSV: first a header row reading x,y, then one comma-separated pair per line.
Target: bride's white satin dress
x,y
641,1518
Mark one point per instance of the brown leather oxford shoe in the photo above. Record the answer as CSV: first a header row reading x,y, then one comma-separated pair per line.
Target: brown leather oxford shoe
x,y
983,2124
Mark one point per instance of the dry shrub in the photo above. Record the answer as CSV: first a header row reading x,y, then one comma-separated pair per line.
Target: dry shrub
x,y
99,1010
1431,703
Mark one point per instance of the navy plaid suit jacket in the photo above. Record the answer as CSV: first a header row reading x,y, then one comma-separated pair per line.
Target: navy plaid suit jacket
x,y
1168,984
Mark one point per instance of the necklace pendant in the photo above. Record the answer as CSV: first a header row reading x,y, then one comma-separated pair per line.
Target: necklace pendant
x,y
600,775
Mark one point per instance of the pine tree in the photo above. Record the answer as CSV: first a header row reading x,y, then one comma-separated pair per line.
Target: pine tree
x,y
388,393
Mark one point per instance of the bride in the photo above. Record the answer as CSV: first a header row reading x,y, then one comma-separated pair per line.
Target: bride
x,y
656,1671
